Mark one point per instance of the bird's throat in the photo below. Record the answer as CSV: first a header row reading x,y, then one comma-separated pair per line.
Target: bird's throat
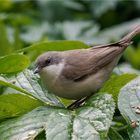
x,y
50,74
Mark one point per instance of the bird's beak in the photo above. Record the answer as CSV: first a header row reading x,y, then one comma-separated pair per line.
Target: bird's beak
x,y
36,70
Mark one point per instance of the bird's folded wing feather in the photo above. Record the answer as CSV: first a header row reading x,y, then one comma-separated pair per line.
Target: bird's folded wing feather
x,y
88,61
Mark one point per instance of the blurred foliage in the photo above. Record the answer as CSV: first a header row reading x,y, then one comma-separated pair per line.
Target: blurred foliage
x,y
23,22
132,55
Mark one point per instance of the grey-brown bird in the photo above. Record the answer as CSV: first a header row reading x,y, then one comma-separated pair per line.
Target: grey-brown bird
x,y
79,73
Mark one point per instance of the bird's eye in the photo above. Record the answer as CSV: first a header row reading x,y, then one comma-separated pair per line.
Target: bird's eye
x,y
48,60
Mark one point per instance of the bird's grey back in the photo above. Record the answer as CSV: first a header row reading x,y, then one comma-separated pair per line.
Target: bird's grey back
x,y
84,62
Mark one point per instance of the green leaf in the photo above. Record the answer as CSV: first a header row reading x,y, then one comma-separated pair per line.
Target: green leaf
x,y
84,130
62,120
88,122
38,48
128,103
114,135
7,83
12,105
13,63
115,83
101,113
30,84
32,123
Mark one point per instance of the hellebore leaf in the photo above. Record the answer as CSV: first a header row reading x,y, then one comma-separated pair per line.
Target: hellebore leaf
x,y
28,83
89,122
129,106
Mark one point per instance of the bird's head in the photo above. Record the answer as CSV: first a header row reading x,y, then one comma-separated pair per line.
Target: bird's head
x,y
47,59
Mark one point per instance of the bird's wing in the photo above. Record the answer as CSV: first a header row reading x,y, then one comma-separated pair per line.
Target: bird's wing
x,y
88,61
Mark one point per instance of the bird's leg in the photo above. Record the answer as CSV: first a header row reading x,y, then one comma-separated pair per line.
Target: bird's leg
x,y
81,102
71,106
78,103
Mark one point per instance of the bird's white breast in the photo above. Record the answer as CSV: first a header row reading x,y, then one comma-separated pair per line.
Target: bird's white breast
x,y
50,74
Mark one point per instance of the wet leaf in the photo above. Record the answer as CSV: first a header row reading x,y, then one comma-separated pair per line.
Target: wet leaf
x,y
128,103
28,83
88,122
34,122
80,127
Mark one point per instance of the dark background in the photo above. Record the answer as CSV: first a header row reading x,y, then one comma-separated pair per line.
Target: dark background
x,y
24,22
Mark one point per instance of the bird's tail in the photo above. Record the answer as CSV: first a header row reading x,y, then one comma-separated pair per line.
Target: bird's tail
x,y
127,39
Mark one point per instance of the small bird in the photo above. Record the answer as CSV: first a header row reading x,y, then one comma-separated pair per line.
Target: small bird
x,y
79,73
